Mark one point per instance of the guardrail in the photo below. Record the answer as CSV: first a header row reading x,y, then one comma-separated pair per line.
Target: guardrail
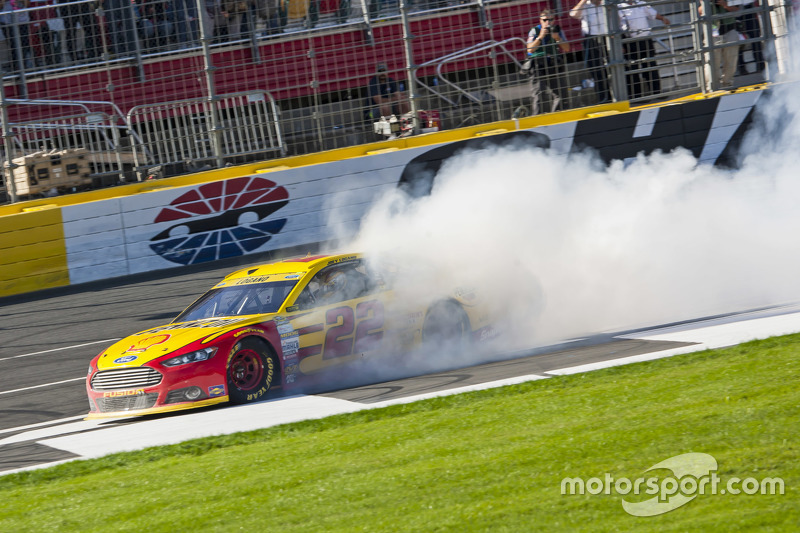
x,y
196,132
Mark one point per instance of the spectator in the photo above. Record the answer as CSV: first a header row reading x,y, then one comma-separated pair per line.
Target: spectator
x,y
121,26
386,97
144,26
250,19
635,17
155,23
16,31
76,17
186,19
234,12
163,18
749,24
273,13
6,33
546,43
312,14
47,32
724,54
214,22
592,14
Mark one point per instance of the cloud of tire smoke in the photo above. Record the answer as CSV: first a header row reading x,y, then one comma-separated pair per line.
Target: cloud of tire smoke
x,y
564,246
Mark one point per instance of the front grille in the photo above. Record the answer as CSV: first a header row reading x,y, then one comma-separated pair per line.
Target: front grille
x,y
127,403
126,378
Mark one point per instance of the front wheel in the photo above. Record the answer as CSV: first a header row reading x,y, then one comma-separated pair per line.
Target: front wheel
x,y
253,370
445,322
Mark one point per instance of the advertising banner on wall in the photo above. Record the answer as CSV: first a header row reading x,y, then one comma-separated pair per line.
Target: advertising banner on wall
x,y
181,226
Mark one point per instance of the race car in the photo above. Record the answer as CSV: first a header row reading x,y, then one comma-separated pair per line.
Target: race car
x,y
272,327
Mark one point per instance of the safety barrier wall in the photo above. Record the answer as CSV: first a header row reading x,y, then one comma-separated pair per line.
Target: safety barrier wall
x,y
32,252
309,199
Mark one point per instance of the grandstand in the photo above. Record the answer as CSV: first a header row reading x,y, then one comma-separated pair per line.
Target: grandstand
x,y
159,88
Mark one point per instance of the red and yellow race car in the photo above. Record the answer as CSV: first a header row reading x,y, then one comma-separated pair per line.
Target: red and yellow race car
x,y
271,327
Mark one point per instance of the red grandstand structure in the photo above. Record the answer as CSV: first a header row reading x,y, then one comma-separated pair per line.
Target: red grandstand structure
x,y
291,65
286,81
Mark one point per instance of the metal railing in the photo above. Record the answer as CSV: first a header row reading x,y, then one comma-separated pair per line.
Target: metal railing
x,y
96,132
295,78
96,127
178,134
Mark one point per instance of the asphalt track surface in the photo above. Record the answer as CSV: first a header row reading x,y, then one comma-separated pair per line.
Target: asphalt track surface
x,y
47,340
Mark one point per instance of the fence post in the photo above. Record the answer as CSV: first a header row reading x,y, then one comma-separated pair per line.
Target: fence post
x,y
410,65
8,146
368,35
616,57
706,39
775,19
20,53
215,131
137,43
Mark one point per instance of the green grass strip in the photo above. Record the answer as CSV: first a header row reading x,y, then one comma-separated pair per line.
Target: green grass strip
x,y
490,460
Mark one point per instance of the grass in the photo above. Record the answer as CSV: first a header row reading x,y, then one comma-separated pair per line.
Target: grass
x,y
483,461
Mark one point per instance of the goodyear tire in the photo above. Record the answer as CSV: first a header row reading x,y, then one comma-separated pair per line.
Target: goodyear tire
x,y
445,323
253,370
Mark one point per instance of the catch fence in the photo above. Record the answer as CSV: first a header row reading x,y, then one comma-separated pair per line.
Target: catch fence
x,y
187,86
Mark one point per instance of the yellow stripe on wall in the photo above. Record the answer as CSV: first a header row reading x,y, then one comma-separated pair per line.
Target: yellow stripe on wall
x,y
33,254
27,252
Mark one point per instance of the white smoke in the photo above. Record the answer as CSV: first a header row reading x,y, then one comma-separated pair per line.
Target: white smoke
x,y
563,246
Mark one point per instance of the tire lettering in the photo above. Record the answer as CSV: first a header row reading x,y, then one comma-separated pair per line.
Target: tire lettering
x,y
256,395
270,371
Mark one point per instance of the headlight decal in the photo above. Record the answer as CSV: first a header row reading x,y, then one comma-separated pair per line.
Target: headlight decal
x,y
192,357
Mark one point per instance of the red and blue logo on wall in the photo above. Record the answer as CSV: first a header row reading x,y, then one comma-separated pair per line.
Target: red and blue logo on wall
x,y
222,219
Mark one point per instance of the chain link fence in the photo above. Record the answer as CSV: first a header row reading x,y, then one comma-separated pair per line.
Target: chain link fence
x,y
176,86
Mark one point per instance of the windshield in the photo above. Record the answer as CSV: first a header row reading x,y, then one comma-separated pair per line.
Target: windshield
x,y
251,299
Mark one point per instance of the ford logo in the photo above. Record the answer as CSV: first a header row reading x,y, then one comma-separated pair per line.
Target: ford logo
x,y
126,359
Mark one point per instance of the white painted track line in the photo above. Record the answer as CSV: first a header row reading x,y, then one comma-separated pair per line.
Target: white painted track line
x,y
579,369
722,333
260,415
99,441
459,390
42,385
59,349
56,422
78,424
708,335
175,429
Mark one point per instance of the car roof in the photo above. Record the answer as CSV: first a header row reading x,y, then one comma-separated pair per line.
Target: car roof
x,y
292,268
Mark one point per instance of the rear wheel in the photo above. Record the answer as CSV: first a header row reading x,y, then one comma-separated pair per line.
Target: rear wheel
x,y
253,370
445,322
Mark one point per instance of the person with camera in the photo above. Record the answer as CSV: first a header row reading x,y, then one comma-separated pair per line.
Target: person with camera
x,y
546,42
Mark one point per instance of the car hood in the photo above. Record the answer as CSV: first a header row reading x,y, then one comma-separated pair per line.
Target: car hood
x,y
145,346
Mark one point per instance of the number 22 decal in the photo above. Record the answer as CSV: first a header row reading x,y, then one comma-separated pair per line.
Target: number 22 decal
x,y
340,341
